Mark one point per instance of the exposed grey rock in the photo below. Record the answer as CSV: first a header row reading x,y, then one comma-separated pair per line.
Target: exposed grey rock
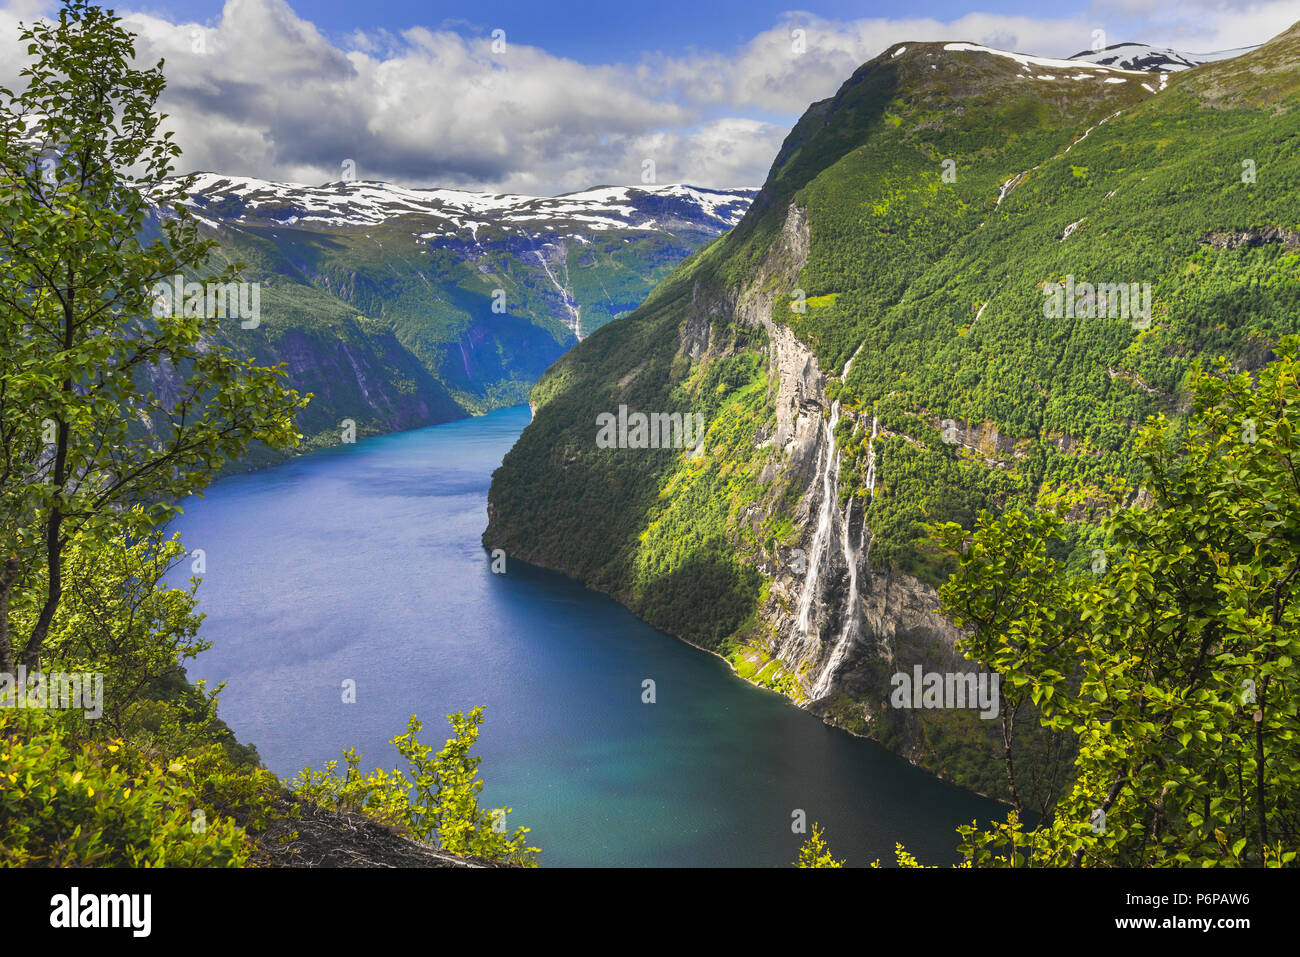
x,y
1234,239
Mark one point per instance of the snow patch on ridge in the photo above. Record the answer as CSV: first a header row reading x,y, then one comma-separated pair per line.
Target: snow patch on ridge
x,y
1026,61
1149,59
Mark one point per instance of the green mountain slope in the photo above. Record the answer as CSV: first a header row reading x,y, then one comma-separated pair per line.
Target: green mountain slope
x,y
872,349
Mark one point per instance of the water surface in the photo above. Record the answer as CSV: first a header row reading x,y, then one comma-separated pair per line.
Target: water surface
x,y
363,563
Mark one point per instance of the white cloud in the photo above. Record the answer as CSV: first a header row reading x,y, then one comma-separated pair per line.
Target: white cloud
x,y
264,93
768,73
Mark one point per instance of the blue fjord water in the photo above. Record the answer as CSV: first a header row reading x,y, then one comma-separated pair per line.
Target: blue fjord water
x,y
363,562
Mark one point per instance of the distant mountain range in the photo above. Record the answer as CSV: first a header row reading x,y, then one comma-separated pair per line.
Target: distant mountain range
x,y
401,307
225,200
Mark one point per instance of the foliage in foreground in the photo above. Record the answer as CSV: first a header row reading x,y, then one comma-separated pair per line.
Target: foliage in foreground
x,y
145,774
65,803
815,853
91,448
1173,659
443,809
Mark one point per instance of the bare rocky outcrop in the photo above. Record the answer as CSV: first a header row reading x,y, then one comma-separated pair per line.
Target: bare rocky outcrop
x,y
801,385
303,834
1237,238
983,438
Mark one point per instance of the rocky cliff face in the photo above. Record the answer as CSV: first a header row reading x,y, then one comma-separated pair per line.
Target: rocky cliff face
x,y
832,627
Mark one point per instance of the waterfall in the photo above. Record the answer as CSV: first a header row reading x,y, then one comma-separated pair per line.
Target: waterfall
x,y
863,544
821,538
844,376
871,458
849,631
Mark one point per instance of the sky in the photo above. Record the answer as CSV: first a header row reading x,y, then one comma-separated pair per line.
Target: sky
x,y
550,96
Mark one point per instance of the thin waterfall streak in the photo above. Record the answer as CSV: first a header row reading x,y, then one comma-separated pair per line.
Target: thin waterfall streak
x,y
871,458
824,521
849,631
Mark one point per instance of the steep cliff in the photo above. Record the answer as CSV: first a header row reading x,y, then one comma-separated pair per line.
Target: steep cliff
x,y
874,348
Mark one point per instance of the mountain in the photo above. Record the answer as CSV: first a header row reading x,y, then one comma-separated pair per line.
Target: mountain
x,y
1143,56
405,307
876,346
223,200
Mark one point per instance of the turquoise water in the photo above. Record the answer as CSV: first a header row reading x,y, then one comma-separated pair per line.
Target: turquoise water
x,y
363,563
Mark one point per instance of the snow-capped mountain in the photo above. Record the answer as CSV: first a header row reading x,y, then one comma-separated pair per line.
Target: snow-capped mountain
x,y
399,307
245,200
1143,56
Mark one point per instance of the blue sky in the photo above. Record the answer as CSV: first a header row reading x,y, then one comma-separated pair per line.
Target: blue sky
x,y
594,31
583,93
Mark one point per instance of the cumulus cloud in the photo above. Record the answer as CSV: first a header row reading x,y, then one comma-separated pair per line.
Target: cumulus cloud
x,y
263,92
806,58
422,108
1201,26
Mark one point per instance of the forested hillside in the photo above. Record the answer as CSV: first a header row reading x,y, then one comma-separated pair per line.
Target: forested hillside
x,y
875,351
